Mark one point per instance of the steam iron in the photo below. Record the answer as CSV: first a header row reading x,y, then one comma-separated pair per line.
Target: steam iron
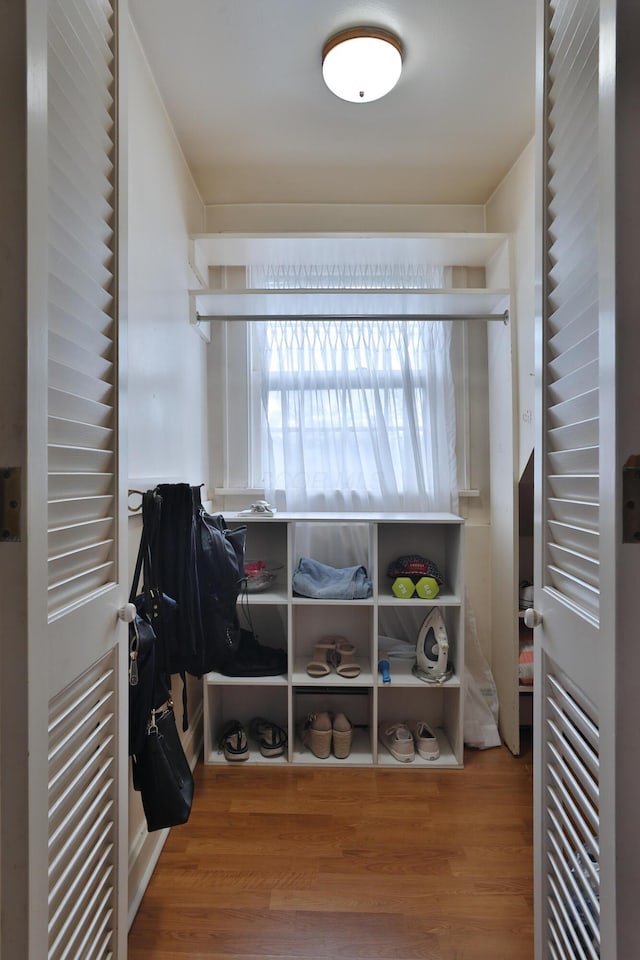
x,y
432,649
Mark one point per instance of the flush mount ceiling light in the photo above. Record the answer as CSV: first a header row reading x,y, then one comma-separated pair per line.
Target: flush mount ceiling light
x,y
362,64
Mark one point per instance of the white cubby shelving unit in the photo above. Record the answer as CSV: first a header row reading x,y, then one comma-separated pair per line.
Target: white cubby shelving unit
x,y
282,619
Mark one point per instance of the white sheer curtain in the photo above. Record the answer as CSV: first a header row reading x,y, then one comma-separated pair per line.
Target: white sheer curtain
x,y
358,414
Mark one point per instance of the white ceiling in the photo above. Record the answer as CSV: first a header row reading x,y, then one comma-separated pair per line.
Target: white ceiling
x,y
241,81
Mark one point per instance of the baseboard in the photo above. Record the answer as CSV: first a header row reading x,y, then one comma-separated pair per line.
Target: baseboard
x,y
146,847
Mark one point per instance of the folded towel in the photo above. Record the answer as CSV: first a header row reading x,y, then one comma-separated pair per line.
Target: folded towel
x,y
322,582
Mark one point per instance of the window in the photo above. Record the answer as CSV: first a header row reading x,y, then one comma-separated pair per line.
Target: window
x,y
341,397
357,413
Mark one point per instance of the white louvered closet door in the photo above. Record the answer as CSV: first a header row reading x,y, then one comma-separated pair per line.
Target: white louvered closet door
x,y
575,679
87,709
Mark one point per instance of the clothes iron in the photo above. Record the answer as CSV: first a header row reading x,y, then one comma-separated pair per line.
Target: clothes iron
x,y
432,649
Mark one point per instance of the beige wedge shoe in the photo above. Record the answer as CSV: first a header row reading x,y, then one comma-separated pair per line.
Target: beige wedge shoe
x,y
316,734
342,736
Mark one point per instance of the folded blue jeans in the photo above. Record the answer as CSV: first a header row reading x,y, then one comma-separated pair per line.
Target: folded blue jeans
x,y
322,582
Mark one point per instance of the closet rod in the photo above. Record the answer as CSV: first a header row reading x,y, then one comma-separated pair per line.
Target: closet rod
x,y
504,317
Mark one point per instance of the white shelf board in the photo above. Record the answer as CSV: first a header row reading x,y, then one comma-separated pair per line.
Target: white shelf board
x,y
273,597
301,678
220,680
367,303
350,517
401,676
218,757
360,754
446,758
443,249
329,602
444,599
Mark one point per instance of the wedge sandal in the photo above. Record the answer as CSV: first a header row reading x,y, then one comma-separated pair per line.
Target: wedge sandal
x,y
316,734
342,736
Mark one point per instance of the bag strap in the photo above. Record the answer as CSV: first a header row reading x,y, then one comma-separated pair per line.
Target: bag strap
x,y
151,516
138,570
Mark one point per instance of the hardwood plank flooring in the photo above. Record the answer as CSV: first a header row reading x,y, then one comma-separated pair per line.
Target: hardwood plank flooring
x,y
347,864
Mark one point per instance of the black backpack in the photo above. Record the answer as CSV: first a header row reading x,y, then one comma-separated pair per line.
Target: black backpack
x,y
220,566
199,562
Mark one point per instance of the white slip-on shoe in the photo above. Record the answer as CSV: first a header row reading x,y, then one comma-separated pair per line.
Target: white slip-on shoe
x,y
398,740
426,741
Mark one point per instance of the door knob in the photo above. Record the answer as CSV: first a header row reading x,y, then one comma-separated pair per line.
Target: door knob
x,y
127,612
532,618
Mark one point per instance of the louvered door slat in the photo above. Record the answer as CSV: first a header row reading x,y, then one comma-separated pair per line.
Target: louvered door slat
x,y
570,542
580,408
574,32
582,433
585,542
91,184
578,512
572,821
95,234
583,324
75,330
78,509
575,356
583,488
574,460
91,362
69,302
81,459
72,407
82,797
76,535
81,296
79,434
585,299
572,384
573,185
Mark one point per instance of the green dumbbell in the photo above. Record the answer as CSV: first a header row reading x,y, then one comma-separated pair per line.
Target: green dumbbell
x,y
403,587
427,588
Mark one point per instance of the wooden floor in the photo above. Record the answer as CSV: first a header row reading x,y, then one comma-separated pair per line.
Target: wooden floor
x,y
347,864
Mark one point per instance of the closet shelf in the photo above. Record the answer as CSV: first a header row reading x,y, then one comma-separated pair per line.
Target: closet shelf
x,y
244,304
297,624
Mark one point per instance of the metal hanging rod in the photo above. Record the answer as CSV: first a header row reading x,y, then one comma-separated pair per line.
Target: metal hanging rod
x,y
504,317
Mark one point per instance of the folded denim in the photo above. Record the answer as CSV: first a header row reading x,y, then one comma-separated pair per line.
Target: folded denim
x,y
322,582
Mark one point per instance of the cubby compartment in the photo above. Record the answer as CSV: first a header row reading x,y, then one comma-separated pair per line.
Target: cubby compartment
x,y
438,706
268,621
314,622
242,699
398,629
267,542
439,542
355,702
319,540
281,617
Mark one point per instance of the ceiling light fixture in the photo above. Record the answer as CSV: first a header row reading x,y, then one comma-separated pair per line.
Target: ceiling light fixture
x,y
362,64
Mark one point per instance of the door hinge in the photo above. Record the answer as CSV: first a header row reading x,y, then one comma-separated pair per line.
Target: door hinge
x,y
10,503
631,500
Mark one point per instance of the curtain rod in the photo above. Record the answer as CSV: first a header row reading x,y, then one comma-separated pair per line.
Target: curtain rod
x,y
504,317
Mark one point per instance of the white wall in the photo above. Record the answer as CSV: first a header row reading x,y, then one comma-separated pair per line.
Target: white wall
x,y
167,358
511,209
167,361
